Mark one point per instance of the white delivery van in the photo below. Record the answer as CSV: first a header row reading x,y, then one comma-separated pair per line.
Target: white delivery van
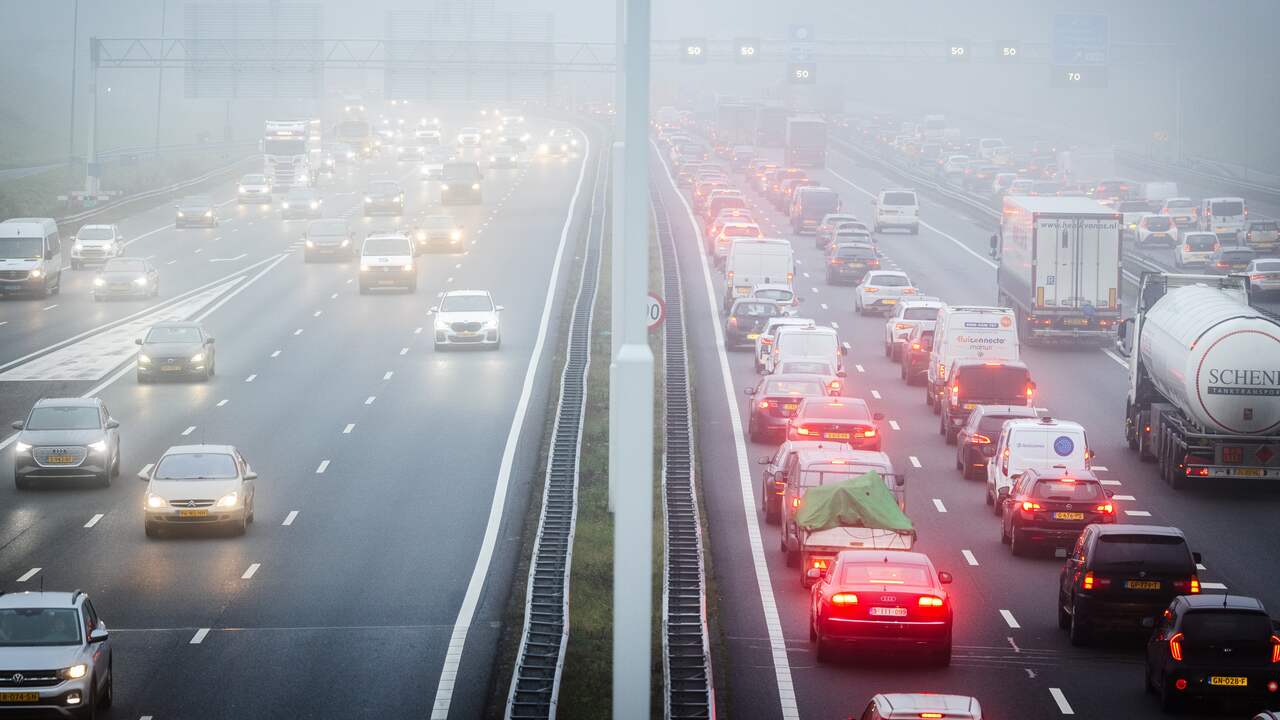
x,y
30,257
755,261
1223,215
898,208
968,331
814,344
1041,443
987,147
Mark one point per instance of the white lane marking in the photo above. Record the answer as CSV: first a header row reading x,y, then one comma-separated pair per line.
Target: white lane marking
x,y
230,259
1123,497
1109,482
270,265
93,520
404,351
369,400
275,353
937,505
894,424
222,402
805,274
28,574
251,378
324,465
1008,618
1200,566
1213,586
288,519
251,571
417,331
148,233
458,266
387,375
189,430
4,322
171,262
200,250
875,394
449,280
199,636
1063,706
772,621
823,306
969,558
1098,468
915,461
1016,649
145,717
815,290
835,325
347,430
1137,513
50,307
297,332
316,313
333,296
350,280
859,368
1119,360
475,586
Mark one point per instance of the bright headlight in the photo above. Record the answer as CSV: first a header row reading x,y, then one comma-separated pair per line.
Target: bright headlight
x,y
475,186
155,501
142,281
368,198
37,273
285,204
75,671
208,213
315,205
455,235
229,501
408,266
574,142
99,282
143,359
181,214
100,446
345,242
198,357
543,149
493,158
365,268
243,188
21,446
310,244
444,186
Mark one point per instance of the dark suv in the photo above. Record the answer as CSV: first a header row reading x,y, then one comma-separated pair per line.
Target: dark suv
x,y
973,382
746,319
1051,506
1121,577
976,438
915,353
66,438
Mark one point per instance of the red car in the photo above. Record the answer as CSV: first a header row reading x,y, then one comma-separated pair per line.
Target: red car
x,y
775,399
881,598
844,419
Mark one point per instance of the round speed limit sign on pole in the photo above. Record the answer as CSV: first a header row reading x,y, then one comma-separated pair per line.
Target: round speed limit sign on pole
x,y
655,311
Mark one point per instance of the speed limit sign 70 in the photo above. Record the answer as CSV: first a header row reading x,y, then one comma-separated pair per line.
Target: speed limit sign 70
x,y
655,311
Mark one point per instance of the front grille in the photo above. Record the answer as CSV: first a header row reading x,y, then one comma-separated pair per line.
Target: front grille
x,y
190,503
29,678
42,455
13,274
466,326
93,252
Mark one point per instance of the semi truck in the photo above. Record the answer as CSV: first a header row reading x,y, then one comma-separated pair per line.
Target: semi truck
x,y
771,125
1204,379
806,142
285,154
735,123
1058,266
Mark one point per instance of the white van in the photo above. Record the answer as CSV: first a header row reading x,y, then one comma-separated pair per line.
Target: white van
x,y
1040,443
817,344
968,331
897,208
756,261
987,147
30,257
1223,215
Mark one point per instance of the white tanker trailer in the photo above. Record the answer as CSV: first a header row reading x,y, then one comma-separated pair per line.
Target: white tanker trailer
x,y
1204,382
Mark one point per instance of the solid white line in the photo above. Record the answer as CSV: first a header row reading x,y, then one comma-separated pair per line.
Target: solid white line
x,y
915,461
28,574
969,558
937,505
875,394
251,378
1119,360
148,233
199,636
1008,618
1137,513
387,375
50,307
288,519
324,465
1213,586
417,331
404,351
347,430
894,424
859,368
275,353
222,402
147,468
1063,706
1098,468
333,296
93,520
241,287
369,400
481,570
253,569
200,250
188,431
764,586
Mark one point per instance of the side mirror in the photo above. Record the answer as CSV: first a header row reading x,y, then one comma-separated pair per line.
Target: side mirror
x,y
48,254
434,309
877,416
764,460
144,474
945,578
1197,557
112,423
16,424
251,475
841,374
208,341
99,633
749,391
499,308
900,481
137,341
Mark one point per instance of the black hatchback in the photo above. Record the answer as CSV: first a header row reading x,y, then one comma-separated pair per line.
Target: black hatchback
x,y
746,319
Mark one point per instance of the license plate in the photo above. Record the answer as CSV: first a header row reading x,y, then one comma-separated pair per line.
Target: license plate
x,y
791,406
857,265
970,406
742,290
466,333
1249,472
60,460
1228,681
1075,321
752,336
889,302
1068,516
836,436
1142,584
386,282
386,268
198,512
169,368
889,611
19,697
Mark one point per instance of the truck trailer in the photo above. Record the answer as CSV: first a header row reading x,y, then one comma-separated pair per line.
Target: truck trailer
x,y
806,142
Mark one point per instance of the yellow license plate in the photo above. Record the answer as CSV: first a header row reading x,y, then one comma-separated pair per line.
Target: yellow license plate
x,y
1228,681
1068,516
743,290
199,512
1242,472
836,436
970,406
889,302
1142,584
169,368
752,336
1076,321
60,460
19,697
857,265
791,406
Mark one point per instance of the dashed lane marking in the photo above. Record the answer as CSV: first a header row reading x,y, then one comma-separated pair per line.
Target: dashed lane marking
x,y
969,558
387,375
1137,513
222,402
93,520
1063,706
50,307
1009,619
937,504
1109,482
1213,586
1098,468
275,353
251,571
824,306
894,424
347,430
915,461
875,394
316,313
404,351
28,574
297,332
324,465
251,378
1130,498
288,519
190,429
859,368
369,400
199,636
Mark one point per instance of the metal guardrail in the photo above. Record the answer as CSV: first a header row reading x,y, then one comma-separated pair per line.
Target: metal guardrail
x,y
686,651
535,684
148,194
1226,181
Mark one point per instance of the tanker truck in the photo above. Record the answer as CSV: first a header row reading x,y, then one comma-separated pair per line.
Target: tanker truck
x,y
1204,379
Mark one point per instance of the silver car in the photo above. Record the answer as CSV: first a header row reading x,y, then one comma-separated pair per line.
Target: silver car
x,y
55,656
882,290
95,244
467,317
66,438
198,485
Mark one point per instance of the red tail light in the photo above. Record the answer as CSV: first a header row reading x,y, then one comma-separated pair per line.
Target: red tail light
x,y
795,503
834,386
915,346
1256,276
955,394
764,404
873,263
844,599
901,326
820,563
1107,509
766,341
931,715
1095,583
1275,649
1031,391
930,601
979,439
1188,587
733,321
1029,506
804,431
867,433
1175,647
1186,248
1222,265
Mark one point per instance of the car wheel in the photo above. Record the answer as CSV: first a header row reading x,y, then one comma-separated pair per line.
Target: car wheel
x,y
772,512
813,630
1004,533
108,692
1016,546
20,483
950,435
1077,631
823,650
151,530
753,433
1170,701
104,480
1064,618
240,528
115,466
942,655
960,465
205,376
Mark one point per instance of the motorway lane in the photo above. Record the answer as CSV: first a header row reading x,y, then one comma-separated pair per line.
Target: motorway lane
x,y
1083,385
341,601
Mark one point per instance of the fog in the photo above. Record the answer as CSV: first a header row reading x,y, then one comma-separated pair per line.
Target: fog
x,y
1225,53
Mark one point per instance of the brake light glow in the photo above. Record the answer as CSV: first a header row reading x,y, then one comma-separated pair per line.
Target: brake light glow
x,y
820,563
795,503
1175,647
867,433
764,404
1031,391
834,386
901,326
930,601
844,599
978,439
915,346
1029,506
1095,583
1275,649
802,431
931,715
1107,509
955,394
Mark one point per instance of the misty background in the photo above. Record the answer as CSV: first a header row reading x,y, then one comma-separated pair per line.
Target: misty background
x,y
1226,52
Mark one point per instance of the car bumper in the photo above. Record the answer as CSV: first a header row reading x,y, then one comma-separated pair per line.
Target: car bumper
x,y
66,699
1056,535
897,221
194,222
25,468
1200,685
881,304
478,338
133,291
194,516
453,195
97,258
881,634
254,197
1120,615
324,250
391,208
383,277
769,423
440,244
176,370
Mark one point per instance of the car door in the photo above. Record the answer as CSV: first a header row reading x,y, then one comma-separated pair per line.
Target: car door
x,y
999,463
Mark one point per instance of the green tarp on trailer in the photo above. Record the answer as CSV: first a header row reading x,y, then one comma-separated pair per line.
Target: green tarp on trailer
x,y
861,501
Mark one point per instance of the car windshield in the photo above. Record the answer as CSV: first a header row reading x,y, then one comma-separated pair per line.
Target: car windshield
x,y
26,248
885,574
466,303
174,335
815,202
327,227
1227,209
387,246
920,313
196,466
1158,222
124,265
438,222
96,232
832,473
384,188
32,627
837,410
64,418
1167,553
798,388
854,252
1201,242
253,180
779,294
806,368
461,172
1226,627
1268,266
888,281
1263,226
992,381
755,309
1077,491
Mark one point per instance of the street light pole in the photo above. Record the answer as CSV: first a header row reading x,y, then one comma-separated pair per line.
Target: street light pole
x,y
71,127
631,388
616,219
164,6
91,170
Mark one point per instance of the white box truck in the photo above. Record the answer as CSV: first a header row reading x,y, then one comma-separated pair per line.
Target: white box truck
x,y
1059,267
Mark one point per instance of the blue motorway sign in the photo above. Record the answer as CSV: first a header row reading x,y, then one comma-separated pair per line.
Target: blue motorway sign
x,y
1079,40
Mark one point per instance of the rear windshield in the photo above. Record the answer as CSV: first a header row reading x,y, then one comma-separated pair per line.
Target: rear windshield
x,y
837,410
885,574
899,198
755,309
1268,266
806,368
888,281
1157,222
1201,241
461,172
1068,491
990,425
1236,255
1262,226
64,418
1166,553
774,294
124,265
793,387
196,466
1226,627
387,246
992,381
920,313
820,201
1227,208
